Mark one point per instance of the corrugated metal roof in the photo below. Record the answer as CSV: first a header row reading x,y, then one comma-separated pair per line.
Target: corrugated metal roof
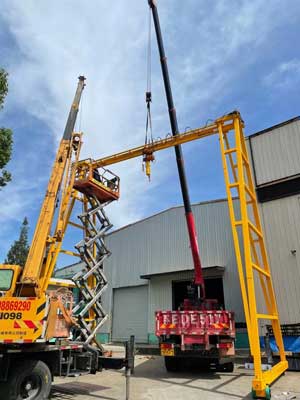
x,y
271,128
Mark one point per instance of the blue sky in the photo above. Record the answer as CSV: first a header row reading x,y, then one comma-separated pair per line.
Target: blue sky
x,y
222,55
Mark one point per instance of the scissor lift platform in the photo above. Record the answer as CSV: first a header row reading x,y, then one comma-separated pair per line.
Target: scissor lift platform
x,y
98,182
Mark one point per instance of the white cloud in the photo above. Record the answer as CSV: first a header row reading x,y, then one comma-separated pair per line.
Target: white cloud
x,y
106,41
58,42
220,45
20,196
19,199
285,75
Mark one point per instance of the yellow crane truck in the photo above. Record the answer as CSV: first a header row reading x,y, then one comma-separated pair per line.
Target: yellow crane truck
x,y
42,333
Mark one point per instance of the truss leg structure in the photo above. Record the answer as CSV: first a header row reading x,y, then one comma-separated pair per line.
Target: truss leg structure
x,y
251,255
91,280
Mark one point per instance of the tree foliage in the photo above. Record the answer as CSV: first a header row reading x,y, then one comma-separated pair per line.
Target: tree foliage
x,y
6,140
18,252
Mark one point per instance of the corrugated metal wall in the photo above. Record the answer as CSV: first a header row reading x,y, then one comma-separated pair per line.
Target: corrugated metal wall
x,y
130,313
275,156
276,153
160,245
281,220
160,294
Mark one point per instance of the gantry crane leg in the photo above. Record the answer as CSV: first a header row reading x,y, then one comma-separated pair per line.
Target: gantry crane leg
x,y
250,251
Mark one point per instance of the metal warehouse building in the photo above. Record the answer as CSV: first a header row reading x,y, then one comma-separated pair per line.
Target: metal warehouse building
x,y
151,263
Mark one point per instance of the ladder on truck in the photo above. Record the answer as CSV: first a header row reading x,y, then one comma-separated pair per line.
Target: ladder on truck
x,y
99,188
250,249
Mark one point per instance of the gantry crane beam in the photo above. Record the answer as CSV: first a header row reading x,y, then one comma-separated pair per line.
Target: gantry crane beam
x,y
161,144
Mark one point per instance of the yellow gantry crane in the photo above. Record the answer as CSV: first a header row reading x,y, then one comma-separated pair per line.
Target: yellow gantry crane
x,y
31,316
250,249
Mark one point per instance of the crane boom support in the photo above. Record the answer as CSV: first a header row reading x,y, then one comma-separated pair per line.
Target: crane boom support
x,y
31,273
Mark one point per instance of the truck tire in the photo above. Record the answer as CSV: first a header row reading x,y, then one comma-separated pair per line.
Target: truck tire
x,y
227,367
171,364
28,380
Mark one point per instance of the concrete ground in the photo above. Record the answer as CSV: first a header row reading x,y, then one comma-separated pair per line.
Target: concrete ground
x,y
151,382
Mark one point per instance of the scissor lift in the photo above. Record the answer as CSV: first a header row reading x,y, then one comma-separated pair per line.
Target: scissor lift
x,y
99,187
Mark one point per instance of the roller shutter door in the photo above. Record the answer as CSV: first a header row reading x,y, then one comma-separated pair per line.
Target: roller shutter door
x,y
130,313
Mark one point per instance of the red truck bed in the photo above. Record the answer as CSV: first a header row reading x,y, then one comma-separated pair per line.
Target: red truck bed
x,y
213,322
196,327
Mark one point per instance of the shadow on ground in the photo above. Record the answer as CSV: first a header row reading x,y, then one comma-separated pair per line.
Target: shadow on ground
x,y
153,368
67,391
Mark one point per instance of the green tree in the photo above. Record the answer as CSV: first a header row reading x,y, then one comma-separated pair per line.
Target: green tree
x,y
6,140
19,250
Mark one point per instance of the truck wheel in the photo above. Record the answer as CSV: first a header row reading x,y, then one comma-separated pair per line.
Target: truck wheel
x,y
227,367
171,364
29,380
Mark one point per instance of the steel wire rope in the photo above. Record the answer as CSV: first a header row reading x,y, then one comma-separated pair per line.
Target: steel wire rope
x,y
149,83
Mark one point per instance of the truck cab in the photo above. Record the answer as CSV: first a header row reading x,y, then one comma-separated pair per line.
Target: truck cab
x,y
9,275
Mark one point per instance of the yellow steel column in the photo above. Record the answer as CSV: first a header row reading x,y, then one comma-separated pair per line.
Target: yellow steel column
x,y
254,253
233,223
253,328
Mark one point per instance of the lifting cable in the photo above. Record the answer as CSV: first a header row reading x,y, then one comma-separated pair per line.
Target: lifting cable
x,y
148,91
148,157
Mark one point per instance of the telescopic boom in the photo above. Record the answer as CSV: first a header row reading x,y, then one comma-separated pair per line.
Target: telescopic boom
x,y
30,281
199,281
